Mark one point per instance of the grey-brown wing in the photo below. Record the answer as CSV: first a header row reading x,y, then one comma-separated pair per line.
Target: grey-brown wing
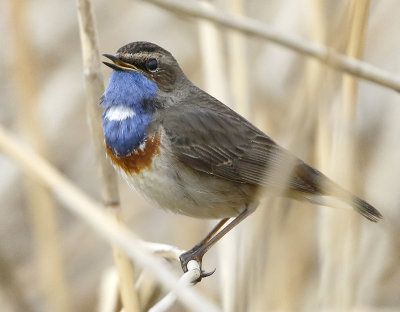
x,y
211,138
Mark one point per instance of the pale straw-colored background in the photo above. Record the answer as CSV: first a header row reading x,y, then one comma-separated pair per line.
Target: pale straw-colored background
x,y
287,256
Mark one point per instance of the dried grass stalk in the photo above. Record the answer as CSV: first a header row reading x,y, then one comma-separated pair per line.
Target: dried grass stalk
x,y
255,28
94,89
46,235
90,212
340,235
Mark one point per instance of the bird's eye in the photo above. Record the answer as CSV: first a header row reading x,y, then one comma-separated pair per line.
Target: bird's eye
x,y
152,65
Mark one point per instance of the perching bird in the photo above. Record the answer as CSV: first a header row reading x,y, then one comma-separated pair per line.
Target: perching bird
x,y
189,153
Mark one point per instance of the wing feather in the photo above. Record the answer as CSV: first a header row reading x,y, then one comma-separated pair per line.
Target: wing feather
x,y
209,137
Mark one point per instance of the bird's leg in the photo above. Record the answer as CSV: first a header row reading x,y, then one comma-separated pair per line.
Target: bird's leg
x,y
198,251
190,254
210,234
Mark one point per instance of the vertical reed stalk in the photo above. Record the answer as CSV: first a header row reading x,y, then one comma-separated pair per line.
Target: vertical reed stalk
x,y
11,288
235,298
359,13
212,57
44,221
110,196
341,233
347,141
323,148
213,63
238,63
232,248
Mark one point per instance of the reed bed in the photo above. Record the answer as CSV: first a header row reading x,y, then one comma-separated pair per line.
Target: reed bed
x,y
319,76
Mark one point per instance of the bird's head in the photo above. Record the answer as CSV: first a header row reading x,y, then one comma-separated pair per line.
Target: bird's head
x,y
147,61
145,78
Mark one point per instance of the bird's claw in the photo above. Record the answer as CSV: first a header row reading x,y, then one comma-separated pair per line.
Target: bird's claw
x,y
206,274
189,255
203,274
197,255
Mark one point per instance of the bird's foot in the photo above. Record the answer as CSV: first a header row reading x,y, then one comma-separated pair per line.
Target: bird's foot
x,y
197,255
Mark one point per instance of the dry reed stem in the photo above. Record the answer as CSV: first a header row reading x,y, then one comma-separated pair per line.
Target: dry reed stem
x,y
109,291
91,212
94,89
355,49
318,73
215,83
129,293
341,248
326,281
238,64
44,221
288,226
210,39
323,101
283,238
232,249
149,290
346,142
165,251
11,291
258,29
319,104
187,279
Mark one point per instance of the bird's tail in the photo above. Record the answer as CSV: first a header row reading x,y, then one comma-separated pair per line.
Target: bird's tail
x,y
358,204
314,186
365,209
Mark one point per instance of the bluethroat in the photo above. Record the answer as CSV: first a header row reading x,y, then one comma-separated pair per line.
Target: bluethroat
x,y
187,152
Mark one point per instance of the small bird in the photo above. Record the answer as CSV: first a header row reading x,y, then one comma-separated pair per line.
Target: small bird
x,y
189,153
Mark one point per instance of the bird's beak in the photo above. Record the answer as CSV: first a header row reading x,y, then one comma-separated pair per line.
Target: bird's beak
x,y
117,64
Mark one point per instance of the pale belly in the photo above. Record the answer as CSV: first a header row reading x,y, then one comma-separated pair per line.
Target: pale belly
x,y
173,186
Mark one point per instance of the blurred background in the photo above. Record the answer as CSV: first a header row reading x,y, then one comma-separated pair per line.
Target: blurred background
x,y
288,256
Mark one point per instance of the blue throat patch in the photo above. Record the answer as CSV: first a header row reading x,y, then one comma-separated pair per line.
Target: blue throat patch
x,y
132,91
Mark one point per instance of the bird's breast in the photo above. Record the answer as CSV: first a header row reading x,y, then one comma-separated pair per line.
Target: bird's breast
x,y
154,171
141,158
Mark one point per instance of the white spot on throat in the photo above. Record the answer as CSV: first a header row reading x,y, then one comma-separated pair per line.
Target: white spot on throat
x,y
119,112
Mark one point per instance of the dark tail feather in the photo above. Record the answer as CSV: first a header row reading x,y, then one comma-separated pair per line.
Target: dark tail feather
x,y
309,180
366,209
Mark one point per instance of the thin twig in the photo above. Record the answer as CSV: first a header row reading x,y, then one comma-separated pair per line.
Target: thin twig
x,y
165,251
94,89
92,213
258,29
